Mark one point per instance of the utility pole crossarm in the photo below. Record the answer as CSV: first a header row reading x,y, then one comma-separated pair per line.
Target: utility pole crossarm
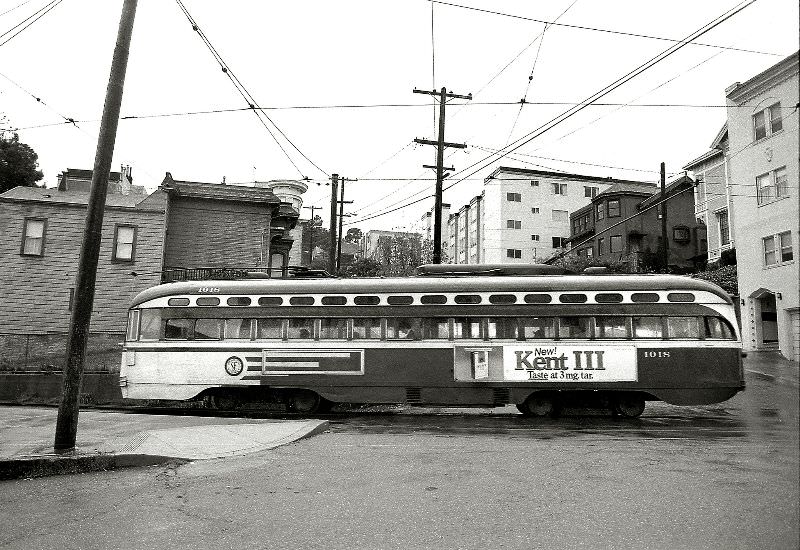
x,y
446,94
445,143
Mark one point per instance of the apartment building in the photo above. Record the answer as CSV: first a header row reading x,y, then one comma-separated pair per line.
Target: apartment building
x,y
763,172
521,216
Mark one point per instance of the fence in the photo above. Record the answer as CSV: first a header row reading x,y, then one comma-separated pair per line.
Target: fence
x,y
46,352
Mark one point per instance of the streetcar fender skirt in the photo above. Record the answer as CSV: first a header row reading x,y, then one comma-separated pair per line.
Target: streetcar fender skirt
x,y
177,392
695,396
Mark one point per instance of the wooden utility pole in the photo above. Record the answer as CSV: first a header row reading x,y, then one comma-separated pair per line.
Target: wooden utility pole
x,y
664,240
440,144
311,233
67,421
332,245
342,202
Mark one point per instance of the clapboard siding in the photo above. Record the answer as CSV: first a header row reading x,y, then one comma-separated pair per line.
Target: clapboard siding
x,y
204,233
36,290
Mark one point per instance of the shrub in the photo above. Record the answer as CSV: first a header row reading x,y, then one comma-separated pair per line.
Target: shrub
x,y
725,277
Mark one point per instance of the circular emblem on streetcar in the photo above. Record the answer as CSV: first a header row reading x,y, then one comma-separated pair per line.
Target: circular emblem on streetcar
x,y
234,366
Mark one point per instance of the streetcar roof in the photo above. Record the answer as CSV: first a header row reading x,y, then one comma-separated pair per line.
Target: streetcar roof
x,y
433,284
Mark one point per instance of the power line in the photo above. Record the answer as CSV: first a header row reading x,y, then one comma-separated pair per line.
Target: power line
x,y
584,28
246,94
591,99
30,21
15,7
67,120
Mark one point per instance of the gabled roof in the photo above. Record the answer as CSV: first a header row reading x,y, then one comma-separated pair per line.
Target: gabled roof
x,y
673,188
218,191
721,137
630,188
49,195
703,158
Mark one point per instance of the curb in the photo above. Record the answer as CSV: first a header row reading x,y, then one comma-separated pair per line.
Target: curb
x,y
42,466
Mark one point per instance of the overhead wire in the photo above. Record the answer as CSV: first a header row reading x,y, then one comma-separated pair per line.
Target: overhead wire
x,y
585,28
15,7
247,96
28,21
592,98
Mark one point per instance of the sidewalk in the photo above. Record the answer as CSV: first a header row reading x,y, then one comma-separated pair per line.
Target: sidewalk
x,y
771,365
110,440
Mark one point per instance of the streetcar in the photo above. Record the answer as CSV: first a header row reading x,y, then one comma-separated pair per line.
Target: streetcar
x,y
534,336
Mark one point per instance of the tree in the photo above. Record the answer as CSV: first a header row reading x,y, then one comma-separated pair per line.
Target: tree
x,y
353,235
18,163
363,267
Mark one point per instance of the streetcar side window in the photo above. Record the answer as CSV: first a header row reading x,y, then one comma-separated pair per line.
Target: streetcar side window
x,y
535,328
467,327
237,329
333,329
574,327
301,329
177,329
610,327
366,329
718,328
403,329
269,329
683,327
150,325
504,328
435,328
208,329
647,327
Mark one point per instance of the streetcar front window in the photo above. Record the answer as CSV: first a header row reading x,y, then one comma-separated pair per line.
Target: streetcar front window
x,y
133,325
150,324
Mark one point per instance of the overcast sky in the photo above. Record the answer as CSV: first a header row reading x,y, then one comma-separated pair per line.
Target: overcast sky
x,y
323,53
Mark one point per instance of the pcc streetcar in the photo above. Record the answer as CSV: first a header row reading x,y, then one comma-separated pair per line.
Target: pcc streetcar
x,y
488,335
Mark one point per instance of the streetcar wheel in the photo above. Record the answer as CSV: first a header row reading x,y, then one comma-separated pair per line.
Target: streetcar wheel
x,y
629,406
538,405
304,402
225,401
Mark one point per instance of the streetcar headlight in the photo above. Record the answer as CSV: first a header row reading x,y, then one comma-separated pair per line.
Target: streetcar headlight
x,y
234,366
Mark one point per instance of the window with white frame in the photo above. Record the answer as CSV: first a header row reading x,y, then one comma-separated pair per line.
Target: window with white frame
x,y
772,186
514,197
559,188
600,245
559,242
534,237
534,183
599,211
590,192
124,240
513,224
33,237
778,249
767,121
724,228
513,253
613,208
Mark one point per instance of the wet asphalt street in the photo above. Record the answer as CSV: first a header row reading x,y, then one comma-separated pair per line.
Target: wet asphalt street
x,y
721,476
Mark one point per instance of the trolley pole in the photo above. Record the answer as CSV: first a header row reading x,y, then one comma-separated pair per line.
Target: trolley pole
x,y
332,246
67,420
440,144
664,240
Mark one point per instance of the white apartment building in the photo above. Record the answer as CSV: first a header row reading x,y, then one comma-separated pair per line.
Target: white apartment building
x,y
424,225
522,216
763,171
713,195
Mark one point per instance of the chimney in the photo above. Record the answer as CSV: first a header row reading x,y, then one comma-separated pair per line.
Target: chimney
x,y
125,179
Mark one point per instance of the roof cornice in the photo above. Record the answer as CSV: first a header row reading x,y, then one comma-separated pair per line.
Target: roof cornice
x,y
785,69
